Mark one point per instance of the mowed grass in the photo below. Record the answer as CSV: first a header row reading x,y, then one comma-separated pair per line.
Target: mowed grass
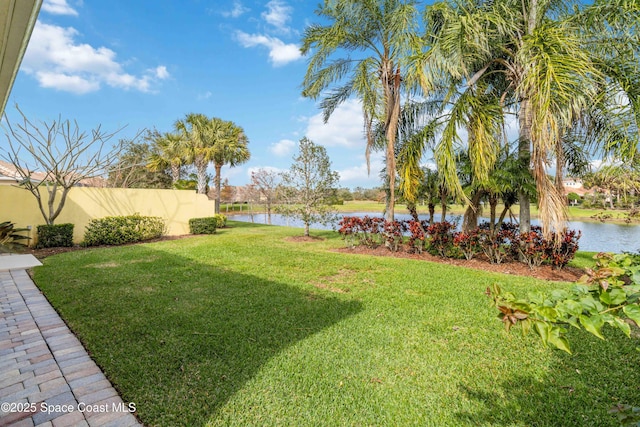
x,y
246,327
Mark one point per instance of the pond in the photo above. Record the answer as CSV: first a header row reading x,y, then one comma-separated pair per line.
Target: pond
x,y
596,236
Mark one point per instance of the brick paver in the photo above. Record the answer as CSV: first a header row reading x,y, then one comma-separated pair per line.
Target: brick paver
x,y
46,376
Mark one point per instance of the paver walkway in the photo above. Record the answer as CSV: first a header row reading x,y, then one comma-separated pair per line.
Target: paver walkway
x,y
46,376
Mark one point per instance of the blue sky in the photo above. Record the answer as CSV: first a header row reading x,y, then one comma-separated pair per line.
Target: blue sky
x,y
147,63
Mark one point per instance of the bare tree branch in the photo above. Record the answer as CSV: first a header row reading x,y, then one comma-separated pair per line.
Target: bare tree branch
x,y
62,154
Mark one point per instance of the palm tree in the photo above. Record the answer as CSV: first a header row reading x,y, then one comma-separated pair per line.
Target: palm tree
x,y
193,128
212,140
377,39
229,148
551,76
170,152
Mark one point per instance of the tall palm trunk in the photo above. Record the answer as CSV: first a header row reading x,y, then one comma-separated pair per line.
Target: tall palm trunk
x,y
217,182
493,206
432,211
175,173
391,81
524,156
201,173
559,178
443,203
525,122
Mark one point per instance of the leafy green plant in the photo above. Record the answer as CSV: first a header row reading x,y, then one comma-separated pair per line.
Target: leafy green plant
x,y
119,230
607,294
221,220
10,237
205,225
55,235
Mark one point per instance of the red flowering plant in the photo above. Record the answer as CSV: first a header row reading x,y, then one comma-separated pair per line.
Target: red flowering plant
x,y
561,252
496,243
417,236
441,236
393,234
468,243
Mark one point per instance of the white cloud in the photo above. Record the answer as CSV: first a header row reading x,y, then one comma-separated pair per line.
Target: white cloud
x,y
278,14
58,7
345,127
237,11
161,72
58,61
359,175
60,81
283,147
280,53
205,95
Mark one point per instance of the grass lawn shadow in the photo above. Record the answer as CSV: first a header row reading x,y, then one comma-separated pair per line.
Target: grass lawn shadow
x,y
577,390
183,336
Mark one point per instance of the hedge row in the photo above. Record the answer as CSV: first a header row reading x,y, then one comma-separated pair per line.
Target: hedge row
x,y
442,239
54,236
118,230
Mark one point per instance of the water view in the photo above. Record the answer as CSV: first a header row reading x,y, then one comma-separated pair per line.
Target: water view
x,y
596,236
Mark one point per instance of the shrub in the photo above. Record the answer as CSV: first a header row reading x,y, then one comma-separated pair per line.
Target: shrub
x,y
362,231
54,236
392,233
441,236
206,225
221,220
532,247
417,236
560,254
496,244
468,243
118,230
10,237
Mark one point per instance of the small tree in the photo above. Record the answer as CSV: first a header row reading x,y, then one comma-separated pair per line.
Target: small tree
x,y
309,185
62,153
266,183
130,170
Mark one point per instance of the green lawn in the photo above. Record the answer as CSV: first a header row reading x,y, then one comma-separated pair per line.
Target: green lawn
x,y
248,328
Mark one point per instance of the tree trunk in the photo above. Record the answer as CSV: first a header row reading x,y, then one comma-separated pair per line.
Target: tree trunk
x,y
524,156
391,81
443,203
306,229
432,212
201,172
413,211
470,219
175,173
493,206
216,180
559,167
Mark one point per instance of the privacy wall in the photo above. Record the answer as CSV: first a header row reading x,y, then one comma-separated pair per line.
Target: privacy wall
x,y
84,204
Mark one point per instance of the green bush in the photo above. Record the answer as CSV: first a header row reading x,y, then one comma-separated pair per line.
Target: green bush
x,y
118,230
10,237
205,225
221,220
54,236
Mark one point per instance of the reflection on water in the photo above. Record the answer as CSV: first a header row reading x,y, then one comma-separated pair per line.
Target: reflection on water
x,y
596,237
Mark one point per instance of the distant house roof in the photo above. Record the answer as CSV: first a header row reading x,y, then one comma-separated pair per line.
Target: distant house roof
x,y
9,173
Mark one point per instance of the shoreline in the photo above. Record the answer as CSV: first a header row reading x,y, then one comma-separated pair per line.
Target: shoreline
x,y
374,207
